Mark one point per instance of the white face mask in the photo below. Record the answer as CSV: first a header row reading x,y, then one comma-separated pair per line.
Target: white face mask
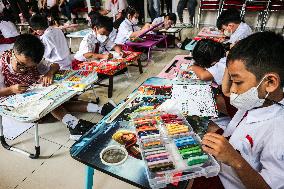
x,y
227,33
134,21
101,38
247,100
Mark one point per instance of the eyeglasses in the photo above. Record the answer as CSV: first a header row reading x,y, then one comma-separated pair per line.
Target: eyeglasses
x,y
21,66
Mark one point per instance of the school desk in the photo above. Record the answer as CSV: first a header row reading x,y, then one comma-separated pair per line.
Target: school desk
x,y
109,68
23,25
78,34
87,150
172,32
171,70
57,98
149,40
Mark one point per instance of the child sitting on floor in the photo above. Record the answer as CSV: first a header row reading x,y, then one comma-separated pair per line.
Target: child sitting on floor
x,y
210,60
56,47
252,154
129,28
22,67
97,44
231,24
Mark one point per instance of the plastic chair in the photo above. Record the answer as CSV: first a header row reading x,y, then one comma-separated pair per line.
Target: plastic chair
x,y
208,5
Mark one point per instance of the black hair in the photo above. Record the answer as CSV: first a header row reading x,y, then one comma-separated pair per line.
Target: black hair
x,y
172,16
38,22
228,16
7,15
131,11
29,46
100,21
206,52
261,53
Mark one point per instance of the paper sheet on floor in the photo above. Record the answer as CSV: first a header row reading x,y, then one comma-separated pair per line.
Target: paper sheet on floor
x,y
13,128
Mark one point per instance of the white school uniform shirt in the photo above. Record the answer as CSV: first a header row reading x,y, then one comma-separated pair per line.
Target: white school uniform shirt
x,y
88,44
51,3
218,70
115,8
241,32
259,139
56,48
7,29
125,30
113,34
158,20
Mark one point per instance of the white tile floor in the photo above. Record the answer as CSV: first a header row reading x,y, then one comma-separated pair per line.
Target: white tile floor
x,y
56,169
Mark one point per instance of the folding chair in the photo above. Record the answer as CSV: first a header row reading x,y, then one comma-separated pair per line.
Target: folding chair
x,y
274,6
208,5
259,6
227,4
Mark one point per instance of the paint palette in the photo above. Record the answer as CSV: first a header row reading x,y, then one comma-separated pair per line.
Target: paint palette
x,y
61,75
169,146
80,80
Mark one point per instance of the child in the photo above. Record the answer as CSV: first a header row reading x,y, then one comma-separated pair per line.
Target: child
x,y
97,44
8,32
128,28
116,8
21,67
231,24
253,154
210,61
56,47
169,20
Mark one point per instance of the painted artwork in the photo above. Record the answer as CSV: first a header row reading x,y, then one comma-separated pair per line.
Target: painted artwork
x,y
110,67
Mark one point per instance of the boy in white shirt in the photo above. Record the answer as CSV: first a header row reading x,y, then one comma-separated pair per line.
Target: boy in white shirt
x,y
233,27
252,155
22,67
210,60
56,47
97,44
169,20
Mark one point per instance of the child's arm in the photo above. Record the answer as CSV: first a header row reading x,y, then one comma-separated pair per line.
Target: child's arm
x,y
223,151
90,55
47,78
202,73
226,83
14,89
118,49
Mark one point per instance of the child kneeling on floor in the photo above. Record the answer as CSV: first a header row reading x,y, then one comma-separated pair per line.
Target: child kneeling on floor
x,y
251,149
22,67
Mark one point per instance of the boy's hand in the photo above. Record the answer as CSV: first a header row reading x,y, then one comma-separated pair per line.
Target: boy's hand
x,y
19,88
47,79
220,148
108,56
122,54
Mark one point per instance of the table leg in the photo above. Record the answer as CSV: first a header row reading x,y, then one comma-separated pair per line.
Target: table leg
x,y
140,66
110,86
89,180
8,147
70,43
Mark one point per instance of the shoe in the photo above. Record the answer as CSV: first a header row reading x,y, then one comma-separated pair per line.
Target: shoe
x,y
80,129
107,108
